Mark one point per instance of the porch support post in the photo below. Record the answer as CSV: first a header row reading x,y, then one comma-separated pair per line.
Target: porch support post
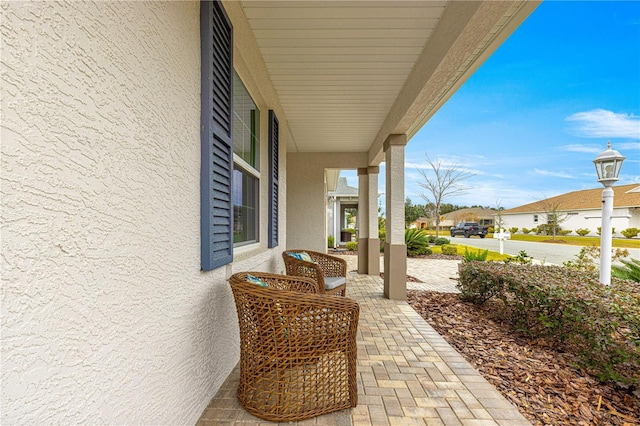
x,y
363,220
373,251
395,250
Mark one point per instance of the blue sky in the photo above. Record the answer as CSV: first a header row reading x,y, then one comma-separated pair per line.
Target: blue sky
x,y
531,120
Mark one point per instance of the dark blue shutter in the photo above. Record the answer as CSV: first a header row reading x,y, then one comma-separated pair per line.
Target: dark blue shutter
x,y
274,137
216,208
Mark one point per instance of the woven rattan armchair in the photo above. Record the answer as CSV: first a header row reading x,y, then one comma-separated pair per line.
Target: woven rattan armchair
x,y
297,350
329,271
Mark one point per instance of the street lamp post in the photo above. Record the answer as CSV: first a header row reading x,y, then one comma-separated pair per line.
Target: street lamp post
x,y
608,165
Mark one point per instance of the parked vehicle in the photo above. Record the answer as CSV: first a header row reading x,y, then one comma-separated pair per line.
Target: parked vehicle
x,y
468,229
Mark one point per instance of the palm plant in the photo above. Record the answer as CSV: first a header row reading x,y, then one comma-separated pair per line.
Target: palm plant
x,y
475,255
417,241
631,270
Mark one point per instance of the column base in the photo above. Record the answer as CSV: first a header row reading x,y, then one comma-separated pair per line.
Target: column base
x,y
395,271
373,260
363,256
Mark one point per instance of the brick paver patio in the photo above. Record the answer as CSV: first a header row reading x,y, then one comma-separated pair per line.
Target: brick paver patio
x,y
407,373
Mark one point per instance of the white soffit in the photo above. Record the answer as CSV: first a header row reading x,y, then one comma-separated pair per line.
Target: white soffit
x,y
350,73
338,66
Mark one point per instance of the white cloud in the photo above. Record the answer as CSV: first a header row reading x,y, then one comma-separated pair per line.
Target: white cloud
x,y
631,146
600,123
563,175
590,149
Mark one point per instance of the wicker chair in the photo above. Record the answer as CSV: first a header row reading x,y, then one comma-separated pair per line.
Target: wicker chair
x,y
329,271
297,350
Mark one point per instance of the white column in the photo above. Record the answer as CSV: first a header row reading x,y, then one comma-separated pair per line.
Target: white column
x,y
363,220
373,262
395,250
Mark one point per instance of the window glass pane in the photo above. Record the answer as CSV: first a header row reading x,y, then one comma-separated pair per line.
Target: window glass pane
x,y
245,206
246,125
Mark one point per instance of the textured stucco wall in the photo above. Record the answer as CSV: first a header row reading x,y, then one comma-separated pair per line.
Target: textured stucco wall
x,y
106,316
307,198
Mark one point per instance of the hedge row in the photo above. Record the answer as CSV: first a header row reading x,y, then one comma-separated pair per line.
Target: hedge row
x,y
599,324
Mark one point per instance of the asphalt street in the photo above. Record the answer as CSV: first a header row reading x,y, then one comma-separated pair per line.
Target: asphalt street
x,y
549,253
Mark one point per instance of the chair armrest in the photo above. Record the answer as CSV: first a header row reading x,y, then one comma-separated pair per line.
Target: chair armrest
x,y
281,282
302,268
331,266
308,324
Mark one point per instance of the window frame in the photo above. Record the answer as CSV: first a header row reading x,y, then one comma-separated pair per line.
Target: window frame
x,y
246,167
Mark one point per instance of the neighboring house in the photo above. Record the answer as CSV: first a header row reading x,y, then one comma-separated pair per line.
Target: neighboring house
x,y
580,209
422,223
343,202
152,149
473,214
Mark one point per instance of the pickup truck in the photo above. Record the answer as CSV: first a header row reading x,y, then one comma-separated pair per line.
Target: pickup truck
x,y
468,229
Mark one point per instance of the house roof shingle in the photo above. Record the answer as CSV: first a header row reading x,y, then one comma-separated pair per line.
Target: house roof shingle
x,y
343,188
588,199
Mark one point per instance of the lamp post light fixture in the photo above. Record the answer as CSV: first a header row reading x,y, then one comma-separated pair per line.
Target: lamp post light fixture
x,y
608,164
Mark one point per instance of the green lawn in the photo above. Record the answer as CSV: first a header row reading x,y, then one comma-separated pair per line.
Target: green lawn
x,y
576,240
573,240
493,255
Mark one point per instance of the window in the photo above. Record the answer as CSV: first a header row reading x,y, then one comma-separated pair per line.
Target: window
x,y
535,218
246,169
230,149
245,206
246,125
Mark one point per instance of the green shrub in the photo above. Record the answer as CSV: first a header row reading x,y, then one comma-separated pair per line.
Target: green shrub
x,y
478,255
352,246
588,258
582,231
526,231
564,232
599,324
441,241
584,260
330,241
427,251
599,230
417,241
513,229
522,258
630,232
450,249
478,284
630,271
432,239
491,229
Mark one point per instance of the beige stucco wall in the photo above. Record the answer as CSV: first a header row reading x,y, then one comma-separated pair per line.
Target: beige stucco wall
x,y
307,197
106,316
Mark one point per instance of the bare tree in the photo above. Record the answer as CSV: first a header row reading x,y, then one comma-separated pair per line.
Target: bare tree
x,y
499,221
554,215
441,182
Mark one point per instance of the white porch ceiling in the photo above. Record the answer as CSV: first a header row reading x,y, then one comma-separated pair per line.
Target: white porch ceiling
x,y
348,73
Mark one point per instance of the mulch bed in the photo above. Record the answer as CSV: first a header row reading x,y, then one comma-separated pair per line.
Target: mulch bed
x,y
532,374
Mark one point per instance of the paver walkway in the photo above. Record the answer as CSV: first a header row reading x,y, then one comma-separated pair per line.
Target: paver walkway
x,y
407,373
